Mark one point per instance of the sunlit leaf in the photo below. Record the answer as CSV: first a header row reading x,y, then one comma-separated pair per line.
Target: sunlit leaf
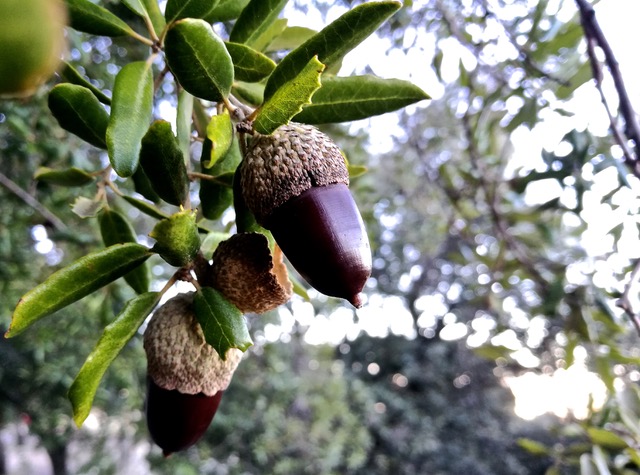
x,y
222,323
136,7
163,162
113,339
130,116
79,279
177,239
290,38
115,229
256,17
606,439
184,113
220,134
342,99
533,447
88,17
68,177
289,98
199,59
249,64
332,43
226,10
155,15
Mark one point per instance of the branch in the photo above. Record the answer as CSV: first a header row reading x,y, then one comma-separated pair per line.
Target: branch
x,y
32,202
624,302
595,38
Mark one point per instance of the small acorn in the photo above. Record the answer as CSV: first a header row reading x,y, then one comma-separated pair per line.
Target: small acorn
x,y
295,182
186,376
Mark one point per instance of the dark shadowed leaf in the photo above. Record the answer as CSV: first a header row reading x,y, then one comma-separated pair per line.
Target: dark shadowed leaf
x,y
78,111
79,279
342,99
222,323
254,20
88,17
114,337
249,65
68,177
199,59
130,116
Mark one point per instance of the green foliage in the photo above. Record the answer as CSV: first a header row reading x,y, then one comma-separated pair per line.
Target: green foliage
x,y
222,323
177,240
88,17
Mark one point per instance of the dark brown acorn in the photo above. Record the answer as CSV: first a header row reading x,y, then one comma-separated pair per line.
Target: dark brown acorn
x,y
295,182
186,376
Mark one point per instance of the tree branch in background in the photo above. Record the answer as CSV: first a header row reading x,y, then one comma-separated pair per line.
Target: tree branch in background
x,y
596,39
32,202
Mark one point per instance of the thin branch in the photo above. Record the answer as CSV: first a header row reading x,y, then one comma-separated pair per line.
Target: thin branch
x,y
624,302
32,202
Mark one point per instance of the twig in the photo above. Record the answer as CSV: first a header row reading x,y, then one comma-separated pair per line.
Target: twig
x,y
624,302
32,202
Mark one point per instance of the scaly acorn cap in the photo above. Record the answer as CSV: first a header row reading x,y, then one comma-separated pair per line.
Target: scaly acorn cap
x,y
245,272
282,165
178,357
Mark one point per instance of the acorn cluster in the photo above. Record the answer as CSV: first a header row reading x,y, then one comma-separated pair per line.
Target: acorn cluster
x,y
295,182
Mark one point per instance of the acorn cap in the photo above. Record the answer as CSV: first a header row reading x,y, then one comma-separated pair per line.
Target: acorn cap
x,y
178,357
282,165
245,272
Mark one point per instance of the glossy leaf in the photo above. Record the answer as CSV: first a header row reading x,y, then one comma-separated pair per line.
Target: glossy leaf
x,y
130,116
178,9
215,197
78,111
289,98
84,276
342,99
256,17
88,17
114,337
332,43
226,10
177,239
155,15
184,113
249,65
199,59
72,75
136,7
163,163
222,323
115,229
220,134
68,177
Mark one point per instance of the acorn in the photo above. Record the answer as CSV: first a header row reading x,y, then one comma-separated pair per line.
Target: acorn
x,y
295,181
186,376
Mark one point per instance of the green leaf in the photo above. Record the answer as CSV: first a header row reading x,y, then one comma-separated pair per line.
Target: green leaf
x,y
290,38
215,197
199,59
113,339
356,170
79,279
130,116
222,323
71,74
211,241
226,10
252,93
220,134
606,439
249,65
142,185
115,229
146,208
533,447
276,28
177,239
332,43
78,111
88,17
256,17
163,163
178,9
289,98
157,19
342,99
68,177
136,7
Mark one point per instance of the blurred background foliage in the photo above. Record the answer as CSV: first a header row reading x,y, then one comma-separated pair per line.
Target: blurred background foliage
x,y
493,258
